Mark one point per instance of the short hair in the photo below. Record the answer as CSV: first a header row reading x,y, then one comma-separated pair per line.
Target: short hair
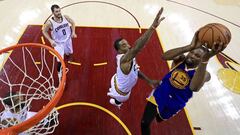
x,y
8,98
116,43
8,101
54,6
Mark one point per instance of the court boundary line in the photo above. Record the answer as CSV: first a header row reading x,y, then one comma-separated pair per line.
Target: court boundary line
x,y
97,107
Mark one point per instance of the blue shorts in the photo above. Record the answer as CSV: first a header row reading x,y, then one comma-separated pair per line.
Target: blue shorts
x,y
167,103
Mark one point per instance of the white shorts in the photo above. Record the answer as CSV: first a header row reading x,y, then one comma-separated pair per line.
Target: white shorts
x,y
64,48
114,94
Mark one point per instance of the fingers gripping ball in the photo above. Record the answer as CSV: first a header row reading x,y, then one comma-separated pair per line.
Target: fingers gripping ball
x,y
214,32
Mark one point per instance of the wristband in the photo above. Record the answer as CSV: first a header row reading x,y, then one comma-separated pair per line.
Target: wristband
x,y
204,62
153,27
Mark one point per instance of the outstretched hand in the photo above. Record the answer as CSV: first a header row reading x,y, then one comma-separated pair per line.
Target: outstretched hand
x,y
158,19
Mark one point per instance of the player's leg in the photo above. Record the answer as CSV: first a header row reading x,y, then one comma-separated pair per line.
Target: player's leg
x,y
60,49
68,49
149,114
115,102
115,97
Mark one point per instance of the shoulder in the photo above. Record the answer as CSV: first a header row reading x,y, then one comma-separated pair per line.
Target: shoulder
x,y
67,17
48,23
6,114
119,56
178,60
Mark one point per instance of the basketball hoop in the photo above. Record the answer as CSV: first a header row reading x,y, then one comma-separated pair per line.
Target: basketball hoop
x,y
30,70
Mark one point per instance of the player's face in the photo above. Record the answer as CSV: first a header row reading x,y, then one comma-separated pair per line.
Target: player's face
x,y
57,12
17,98
194,57
124,46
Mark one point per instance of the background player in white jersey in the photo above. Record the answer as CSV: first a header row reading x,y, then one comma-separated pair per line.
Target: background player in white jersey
x,y
127,70
62,31
15,111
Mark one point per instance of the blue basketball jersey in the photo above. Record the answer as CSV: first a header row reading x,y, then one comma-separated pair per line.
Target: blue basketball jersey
x,y
173,93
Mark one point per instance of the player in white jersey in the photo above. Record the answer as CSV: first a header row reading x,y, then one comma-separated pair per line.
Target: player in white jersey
x,y
62,31
15,111
127,69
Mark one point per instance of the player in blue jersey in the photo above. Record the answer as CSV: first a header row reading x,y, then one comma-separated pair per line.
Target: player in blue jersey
x,y
187,75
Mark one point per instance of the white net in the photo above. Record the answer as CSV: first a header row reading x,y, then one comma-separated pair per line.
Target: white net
x,y
28,81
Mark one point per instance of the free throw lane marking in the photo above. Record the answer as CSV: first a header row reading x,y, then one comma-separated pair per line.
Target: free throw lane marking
x,y
100,64
74,63
43,41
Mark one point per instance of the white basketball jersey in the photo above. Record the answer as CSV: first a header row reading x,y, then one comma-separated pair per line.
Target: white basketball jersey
x,y
20,117
61,32
125,82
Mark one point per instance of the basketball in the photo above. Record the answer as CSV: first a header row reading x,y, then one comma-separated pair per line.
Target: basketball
x,y
214,32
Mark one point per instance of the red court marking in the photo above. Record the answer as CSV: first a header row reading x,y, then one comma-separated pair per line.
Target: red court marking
x,y
89,84
224,60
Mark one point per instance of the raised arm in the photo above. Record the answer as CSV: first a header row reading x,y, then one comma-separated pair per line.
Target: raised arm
x,y
201,75
140,42
171,54
72,27
152,83
141,75
45,29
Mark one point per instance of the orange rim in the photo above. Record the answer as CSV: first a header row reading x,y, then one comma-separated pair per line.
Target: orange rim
x,y
52,103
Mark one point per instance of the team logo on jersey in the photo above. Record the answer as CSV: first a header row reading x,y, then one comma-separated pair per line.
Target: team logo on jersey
x,y
61,26
179,79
